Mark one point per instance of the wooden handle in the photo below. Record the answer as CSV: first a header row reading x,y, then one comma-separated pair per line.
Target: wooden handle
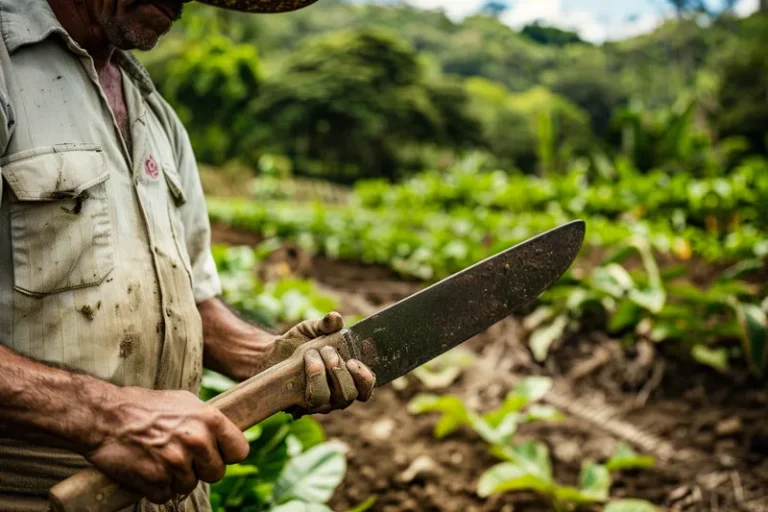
x,y
276,389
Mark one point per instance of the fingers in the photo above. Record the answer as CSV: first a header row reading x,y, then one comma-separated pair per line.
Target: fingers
x,y
333,384
311,329
365,380
208,463
231,441
318,394
183,478
343,390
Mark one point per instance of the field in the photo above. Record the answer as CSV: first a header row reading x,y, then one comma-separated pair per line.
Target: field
x,y
683,408
354,152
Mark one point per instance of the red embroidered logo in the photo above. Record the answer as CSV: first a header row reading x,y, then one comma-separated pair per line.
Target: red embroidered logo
x,y
150,166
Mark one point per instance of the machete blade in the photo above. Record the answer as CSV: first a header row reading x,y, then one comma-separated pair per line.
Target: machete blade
x,y
421,327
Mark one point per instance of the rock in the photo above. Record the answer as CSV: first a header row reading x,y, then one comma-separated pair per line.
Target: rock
x,y
679,493
382,429
422,468
457,458
726,460
567,451
729,427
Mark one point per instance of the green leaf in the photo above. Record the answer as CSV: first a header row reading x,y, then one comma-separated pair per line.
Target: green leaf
x,y
543,338
529,390
625,458
237,485
595,481
543,413
630,505
499,433
214,384
612,279
446,426
253,433
627,314
309,431
754,333
714,358
312,476
534,459
444,370
455,413
269,450
508,476
572,495
653,299
437,379
300,506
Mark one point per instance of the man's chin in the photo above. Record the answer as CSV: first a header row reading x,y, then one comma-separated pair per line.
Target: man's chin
x,y
143,40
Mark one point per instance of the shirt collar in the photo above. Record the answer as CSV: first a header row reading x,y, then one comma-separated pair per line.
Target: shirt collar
x,y
28,22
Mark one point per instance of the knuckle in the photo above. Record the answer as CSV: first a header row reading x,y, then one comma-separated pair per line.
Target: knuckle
x,y
197,440
175,458
330,356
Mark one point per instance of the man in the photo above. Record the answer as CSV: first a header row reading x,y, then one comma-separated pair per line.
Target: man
x,y
108,305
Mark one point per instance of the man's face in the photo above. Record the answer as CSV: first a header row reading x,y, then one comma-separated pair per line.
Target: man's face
x,y
136,24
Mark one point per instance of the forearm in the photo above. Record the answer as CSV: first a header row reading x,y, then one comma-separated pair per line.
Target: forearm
x,y
48,405
232,345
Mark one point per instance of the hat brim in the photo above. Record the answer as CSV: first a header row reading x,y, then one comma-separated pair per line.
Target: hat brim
x,y
260,6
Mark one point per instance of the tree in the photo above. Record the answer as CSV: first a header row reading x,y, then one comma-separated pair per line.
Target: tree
x,y
345,105
494,8
595,91
703,7
210,81
544,34
743,96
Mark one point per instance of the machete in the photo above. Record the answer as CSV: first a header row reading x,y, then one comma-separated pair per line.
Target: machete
x,y
392,343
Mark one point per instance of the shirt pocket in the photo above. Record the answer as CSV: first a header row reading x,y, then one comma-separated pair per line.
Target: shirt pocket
x,y
61,230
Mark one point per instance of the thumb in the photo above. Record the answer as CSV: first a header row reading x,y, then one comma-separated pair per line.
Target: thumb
x,y
311,329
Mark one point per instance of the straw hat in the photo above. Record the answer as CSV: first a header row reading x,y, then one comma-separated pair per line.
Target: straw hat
x,y
260,5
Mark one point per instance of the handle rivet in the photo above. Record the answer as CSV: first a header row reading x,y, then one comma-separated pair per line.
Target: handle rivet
x,y
100,496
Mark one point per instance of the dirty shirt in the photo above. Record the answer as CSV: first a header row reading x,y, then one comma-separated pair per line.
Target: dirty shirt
x,y
104,248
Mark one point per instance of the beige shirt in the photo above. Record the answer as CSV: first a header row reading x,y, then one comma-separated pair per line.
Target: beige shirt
x,y
103,253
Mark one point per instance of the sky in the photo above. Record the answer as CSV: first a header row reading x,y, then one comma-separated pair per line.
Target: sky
x,y
594,20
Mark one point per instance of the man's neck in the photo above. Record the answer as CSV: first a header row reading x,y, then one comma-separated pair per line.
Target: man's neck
x,y
80,23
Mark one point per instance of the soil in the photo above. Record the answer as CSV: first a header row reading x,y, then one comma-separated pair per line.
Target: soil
x,y
708,432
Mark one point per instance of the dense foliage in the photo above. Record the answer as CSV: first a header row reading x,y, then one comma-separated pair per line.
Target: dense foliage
x,y
438,223
400,89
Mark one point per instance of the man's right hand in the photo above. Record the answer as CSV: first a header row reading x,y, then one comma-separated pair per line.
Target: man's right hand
x,y
162,442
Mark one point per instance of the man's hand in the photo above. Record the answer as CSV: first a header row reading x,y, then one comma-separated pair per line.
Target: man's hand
x,y
240,350
162,442
332,383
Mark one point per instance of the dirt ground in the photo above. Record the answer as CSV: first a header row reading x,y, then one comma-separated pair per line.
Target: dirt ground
x,y
708,432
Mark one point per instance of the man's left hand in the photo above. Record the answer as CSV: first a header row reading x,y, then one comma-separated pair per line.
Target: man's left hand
x,y
240,350
332,383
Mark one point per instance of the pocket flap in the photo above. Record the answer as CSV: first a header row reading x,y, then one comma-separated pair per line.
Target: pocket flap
x,y
56,172
174,184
